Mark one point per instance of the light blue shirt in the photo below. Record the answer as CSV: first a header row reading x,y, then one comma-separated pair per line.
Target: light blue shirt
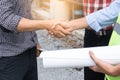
x,y
104,17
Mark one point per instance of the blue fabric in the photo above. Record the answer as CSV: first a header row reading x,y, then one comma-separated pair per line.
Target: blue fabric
x,y
104,17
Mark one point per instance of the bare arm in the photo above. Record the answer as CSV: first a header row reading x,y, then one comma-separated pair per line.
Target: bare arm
x,y
32,25
78,23
104,67
68,26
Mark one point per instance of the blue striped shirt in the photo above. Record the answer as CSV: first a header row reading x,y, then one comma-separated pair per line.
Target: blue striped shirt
x,y
13,42
104,17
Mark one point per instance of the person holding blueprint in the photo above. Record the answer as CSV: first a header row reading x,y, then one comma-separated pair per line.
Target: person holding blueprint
x,y
97,21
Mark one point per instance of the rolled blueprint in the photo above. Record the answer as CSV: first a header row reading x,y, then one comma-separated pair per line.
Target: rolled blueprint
x,y
79,57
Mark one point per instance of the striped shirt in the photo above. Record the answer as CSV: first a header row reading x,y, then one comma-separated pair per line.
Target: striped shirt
x,y
13,42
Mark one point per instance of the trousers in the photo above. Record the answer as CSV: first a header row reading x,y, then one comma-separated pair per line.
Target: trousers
x,y
93,39
20,67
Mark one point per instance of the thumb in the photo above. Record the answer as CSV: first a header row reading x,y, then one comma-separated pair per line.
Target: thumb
x,y
92,55
61,23
55,24
64,25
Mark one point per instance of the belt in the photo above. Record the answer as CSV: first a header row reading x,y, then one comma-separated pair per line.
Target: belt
x,y
102,31
107,28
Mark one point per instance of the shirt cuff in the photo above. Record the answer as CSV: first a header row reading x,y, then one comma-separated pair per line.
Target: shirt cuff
x,y
13,23
92,22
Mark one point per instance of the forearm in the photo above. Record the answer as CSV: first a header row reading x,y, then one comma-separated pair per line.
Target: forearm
x,y
116,70
102,66
79,23
32,25
109,69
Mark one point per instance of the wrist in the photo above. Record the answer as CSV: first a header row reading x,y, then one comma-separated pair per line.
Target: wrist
x,y
48,25
72,25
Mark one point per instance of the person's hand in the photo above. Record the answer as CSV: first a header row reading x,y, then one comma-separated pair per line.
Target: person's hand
x,y
38,50
61,29
104,67
95,68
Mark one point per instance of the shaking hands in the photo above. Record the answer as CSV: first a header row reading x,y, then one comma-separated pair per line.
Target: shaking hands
x,y
64,28
60,29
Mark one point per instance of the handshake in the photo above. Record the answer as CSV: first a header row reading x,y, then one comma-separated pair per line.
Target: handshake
x,y
57,28
60,29
64,28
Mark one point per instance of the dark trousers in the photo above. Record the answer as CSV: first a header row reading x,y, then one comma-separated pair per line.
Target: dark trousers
x,y
92,39
20,67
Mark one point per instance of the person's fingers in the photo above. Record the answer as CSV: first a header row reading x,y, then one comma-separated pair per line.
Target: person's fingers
x,y
56,24
38,50
50,32
59,34
61,30
38,46
56,33
62,24
92,68
64,31
69,30
97,69
92,55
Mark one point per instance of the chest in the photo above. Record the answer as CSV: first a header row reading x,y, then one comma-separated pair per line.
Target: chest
x,y
23,8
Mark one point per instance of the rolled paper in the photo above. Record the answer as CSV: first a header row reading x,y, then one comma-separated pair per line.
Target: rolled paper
x,y
79,57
